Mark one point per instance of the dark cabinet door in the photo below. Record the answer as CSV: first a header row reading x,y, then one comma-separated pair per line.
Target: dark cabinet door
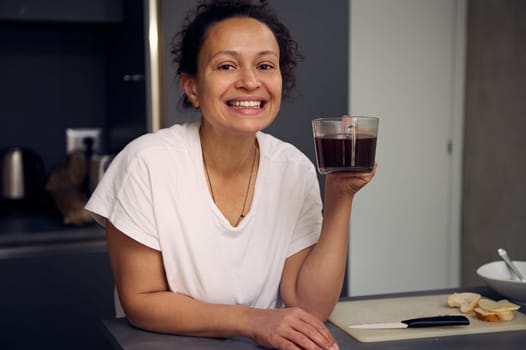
x,y
55,301
126,78
68,71
92,11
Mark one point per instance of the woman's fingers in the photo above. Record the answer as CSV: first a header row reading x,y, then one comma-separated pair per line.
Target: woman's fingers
x,y
350,182
310,332
291,328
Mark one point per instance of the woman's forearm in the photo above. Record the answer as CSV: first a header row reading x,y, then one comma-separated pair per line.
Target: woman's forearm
x,y
174,313
321,277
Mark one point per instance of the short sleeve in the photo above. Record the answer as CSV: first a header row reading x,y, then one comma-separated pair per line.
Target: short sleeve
x,y
308,227
124,197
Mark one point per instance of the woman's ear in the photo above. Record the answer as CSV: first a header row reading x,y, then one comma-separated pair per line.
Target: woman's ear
x,y
189,86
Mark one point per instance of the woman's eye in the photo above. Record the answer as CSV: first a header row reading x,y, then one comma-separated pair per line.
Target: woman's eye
x,y
225,66
266,66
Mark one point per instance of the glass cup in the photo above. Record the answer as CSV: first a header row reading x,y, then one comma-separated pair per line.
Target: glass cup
x,y
345,144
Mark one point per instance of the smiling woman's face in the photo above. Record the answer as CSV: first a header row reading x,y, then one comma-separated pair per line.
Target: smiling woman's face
x,y
238,85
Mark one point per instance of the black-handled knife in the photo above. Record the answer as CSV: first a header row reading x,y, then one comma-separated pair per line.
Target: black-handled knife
x,y
434,321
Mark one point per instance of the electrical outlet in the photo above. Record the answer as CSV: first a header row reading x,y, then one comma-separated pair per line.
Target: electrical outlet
x,y
75,139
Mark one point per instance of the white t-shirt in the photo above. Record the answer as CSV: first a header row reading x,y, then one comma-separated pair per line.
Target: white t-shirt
x,y
155,191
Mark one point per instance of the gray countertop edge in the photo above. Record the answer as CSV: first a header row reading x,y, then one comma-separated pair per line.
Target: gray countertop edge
x,y
41,235
124,336
62,235
95,245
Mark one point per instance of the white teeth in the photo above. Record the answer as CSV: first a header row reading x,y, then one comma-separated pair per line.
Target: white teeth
x,y
245,104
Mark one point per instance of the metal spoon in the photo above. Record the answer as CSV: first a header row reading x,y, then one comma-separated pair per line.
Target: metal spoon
x,y
504,255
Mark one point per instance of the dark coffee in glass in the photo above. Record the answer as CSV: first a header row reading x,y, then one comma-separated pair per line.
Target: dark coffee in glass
x,y
346,144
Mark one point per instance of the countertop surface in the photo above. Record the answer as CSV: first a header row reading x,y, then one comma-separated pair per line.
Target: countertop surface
x,y
28,234
124,336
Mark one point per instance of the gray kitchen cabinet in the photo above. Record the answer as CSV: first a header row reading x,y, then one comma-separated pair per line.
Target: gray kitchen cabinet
x,y
64,64
71,74
59,73
55,298
62,10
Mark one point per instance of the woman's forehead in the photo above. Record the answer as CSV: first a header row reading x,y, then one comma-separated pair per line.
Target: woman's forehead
x,y
240,34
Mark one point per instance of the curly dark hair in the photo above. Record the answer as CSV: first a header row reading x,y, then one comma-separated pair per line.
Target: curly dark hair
x,y
187,44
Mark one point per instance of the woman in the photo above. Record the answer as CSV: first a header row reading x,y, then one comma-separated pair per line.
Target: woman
x,y
214,228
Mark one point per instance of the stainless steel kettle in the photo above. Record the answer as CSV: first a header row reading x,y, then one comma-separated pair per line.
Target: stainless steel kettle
x,y
22,174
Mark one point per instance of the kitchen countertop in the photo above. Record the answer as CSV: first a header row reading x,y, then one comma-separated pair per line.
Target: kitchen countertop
x,y
125,337
40,233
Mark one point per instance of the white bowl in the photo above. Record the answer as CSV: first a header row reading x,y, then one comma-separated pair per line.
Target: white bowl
x,y
503,281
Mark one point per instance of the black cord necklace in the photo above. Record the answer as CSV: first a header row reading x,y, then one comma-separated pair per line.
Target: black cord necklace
x,y
210,187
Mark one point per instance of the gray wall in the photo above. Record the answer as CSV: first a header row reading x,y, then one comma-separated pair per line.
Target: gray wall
x,y
322,34
494,184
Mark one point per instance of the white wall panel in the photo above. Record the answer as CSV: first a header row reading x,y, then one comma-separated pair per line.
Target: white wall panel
x,y
406,66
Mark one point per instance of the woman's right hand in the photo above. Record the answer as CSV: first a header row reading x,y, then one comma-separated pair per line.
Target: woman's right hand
x,y
289,328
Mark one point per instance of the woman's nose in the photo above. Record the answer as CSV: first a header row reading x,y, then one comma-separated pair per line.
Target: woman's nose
x,y
248,79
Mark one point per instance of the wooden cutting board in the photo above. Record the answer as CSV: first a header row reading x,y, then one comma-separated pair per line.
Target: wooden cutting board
x,y
397,309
